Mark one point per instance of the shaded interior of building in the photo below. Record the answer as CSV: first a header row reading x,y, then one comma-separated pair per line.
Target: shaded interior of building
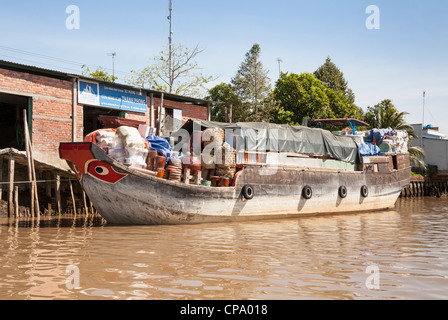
x,y
91,117
11,120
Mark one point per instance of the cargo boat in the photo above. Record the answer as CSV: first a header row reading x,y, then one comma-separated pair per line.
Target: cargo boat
x,y
300,185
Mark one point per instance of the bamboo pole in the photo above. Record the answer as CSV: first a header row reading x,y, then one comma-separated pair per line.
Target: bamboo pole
x,y
48,193
29,152
73,196
32,191
58,192
86,211
16,201
11,184
91,208
160,115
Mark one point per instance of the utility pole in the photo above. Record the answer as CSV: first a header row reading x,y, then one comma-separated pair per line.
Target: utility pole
x,y
113,54
170,40
279,66
423,119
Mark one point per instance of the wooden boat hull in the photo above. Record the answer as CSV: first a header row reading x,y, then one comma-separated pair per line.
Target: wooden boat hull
x,y
126,196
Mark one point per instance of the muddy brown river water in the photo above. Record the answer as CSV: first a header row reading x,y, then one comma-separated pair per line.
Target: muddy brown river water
x,y
396,254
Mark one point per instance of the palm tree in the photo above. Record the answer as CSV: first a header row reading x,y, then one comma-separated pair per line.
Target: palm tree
x,y
385,115
416,155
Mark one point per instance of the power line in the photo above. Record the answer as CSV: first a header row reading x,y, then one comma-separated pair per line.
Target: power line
x,y
37,55
42,56
41,63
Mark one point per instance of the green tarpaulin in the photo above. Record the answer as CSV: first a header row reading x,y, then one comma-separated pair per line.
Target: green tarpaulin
x,y
260,136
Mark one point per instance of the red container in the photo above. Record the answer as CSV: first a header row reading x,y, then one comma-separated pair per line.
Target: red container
x,y
215,181
160,162
160,173
224,182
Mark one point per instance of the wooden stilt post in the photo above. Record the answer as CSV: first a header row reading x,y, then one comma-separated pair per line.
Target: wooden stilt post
x,y
31,170
16,202
91,208
11,184
58,192
73,196
48,192
86,211
32,191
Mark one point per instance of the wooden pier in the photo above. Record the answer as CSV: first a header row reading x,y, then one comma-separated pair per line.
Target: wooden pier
x,y
426,187
51,190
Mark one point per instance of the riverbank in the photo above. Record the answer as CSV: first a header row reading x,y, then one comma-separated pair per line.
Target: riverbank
x,y
426,187
50,188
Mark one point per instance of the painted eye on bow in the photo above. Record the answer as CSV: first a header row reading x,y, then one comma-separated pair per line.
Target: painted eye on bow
x,y
103,171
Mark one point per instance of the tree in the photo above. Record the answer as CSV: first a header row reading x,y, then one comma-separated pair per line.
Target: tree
x,y
329,74
304,96
174,71
229,108
416,156
268,110
386,115
251,82
99,74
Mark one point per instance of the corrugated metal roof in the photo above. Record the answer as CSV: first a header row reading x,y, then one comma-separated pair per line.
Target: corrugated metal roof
x,y
64,75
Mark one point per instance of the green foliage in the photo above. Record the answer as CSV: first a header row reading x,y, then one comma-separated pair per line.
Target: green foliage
x,y
303,96
228,103
416,156
268,111
99,74
251,82
249,93
385,115
329,74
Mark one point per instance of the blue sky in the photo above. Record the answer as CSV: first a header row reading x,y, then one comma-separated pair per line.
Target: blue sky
x,y
406,56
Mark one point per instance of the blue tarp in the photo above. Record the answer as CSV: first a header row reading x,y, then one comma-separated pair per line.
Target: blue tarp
x,y
377,135
368,149
160,145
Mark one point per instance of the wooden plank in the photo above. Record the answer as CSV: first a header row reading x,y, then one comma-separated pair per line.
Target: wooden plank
x,y
58,192
73,196
29,147
86,211
48,192
28,158
32,191
11,165
16,201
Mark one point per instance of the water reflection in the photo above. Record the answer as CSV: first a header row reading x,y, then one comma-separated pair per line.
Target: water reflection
x,y
318,258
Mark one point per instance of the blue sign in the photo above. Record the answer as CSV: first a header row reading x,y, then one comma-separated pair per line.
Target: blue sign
x,y
111,96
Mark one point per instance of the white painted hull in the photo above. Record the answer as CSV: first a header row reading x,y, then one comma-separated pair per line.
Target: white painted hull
x,y
142,203
129,197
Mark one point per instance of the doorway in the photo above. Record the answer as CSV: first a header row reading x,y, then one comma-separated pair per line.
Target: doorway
x,y
11,120
91,114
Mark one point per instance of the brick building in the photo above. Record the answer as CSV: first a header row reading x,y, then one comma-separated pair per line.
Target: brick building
x,y
66,107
